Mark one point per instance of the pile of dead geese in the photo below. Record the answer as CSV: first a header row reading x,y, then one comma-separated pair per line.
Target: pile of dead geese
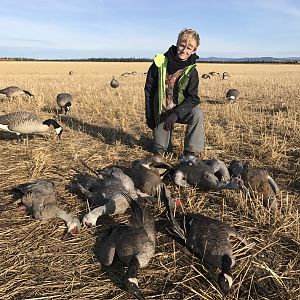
x,y
110,191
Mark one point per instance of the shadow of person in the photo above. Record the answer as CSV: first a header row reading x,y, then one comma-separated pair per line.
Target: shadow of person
x,y
107,135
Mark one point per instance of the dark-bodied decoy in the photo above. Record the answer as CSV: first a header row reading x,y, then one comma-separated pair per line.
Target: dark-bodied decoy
x,y
106,192
232,95
134,244
225,76
208,239
257,181
114,83
24,123
64,101
214,73
40,199
204,174
205,76
14,91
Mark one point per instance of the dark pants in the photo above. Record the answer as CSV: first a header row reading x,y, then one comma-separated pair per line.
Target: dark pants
x,y
194,134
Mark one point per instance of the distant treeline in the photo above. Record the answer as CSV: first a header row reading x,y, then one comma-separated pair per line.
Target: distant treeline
x,y
269,60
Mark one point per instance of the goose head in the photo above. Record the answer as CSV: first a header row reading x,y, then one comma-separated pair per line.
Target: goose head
x,y
131,285
225,281
57,127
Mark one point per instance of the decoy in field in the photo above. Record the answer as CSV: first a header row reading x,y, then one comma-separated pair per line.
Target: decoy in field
x,y
147,174
40,199
24,123
208,239
13,91
232,95
64,101
214,73
225,76
125,74
134,244
256,181
205,76
106,191
114,83
204,174
71,73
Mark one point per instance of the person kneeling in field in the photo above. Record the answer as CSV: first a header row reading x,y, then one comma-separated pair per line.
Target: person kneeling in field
x,y
171,96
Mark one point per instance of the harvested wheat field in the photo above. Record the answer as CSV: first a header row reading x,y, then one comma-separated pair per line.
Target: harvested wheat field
x,y
106,127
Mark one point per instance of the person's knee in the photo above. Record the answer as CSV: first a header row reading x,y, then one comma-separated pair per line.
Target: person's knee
x,y
196,115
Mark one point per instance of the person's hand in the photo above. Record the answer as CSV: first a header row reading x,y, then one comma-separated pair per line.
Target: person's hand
x,y
170,121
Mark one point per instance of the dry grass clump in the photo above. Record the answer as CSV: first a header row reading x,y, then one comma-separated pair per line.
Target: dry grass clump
x,y
106,127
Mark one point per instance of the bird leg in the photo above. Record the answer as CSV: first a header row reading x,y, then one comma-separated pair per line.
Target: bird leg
x,y
73,224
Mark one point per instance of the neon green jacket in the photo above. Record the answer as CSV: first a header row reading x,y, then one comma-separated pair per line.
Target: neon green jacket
x,y
161,62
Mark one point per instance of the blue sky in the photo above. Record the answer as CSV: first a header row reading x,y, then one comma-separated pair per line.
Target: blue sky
x,y
139,28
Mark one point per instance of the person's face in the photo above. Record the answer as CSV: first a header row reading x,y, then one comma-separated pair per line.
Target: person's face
x,y
185,49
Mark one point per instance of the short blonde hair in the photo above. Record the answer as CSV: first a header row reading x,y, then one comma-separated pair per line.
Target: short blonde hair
x,y
188,35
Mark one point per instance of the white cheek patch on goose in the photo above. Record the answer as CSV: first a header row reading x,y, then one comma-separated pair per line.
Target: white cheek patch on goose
x,y
58,130
232,97
147,166
133,280
229,279
4,127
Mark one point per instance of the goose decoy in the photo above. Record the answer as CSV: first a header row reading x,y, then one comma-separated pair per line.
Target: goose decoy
x,y
64,101
214,73
232,95
133,73
225,75
23,122
208,239
258,181
126,74
205,76
14,91
148,172
71,73
204,174
40,199
134,244
105,191
114,83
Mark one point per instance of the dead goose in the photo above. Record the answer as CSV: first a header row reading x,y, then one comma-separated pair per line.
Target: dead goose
x,y
232,95
203,174
106,191
22,122
147,173
258,181
14,91
40,199
208,239
114,83
64,101
134,244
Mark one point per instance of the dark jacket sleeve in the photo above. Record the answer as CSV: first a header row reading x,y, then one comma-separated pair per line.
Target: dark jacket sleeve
x,y
150,89
191,98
